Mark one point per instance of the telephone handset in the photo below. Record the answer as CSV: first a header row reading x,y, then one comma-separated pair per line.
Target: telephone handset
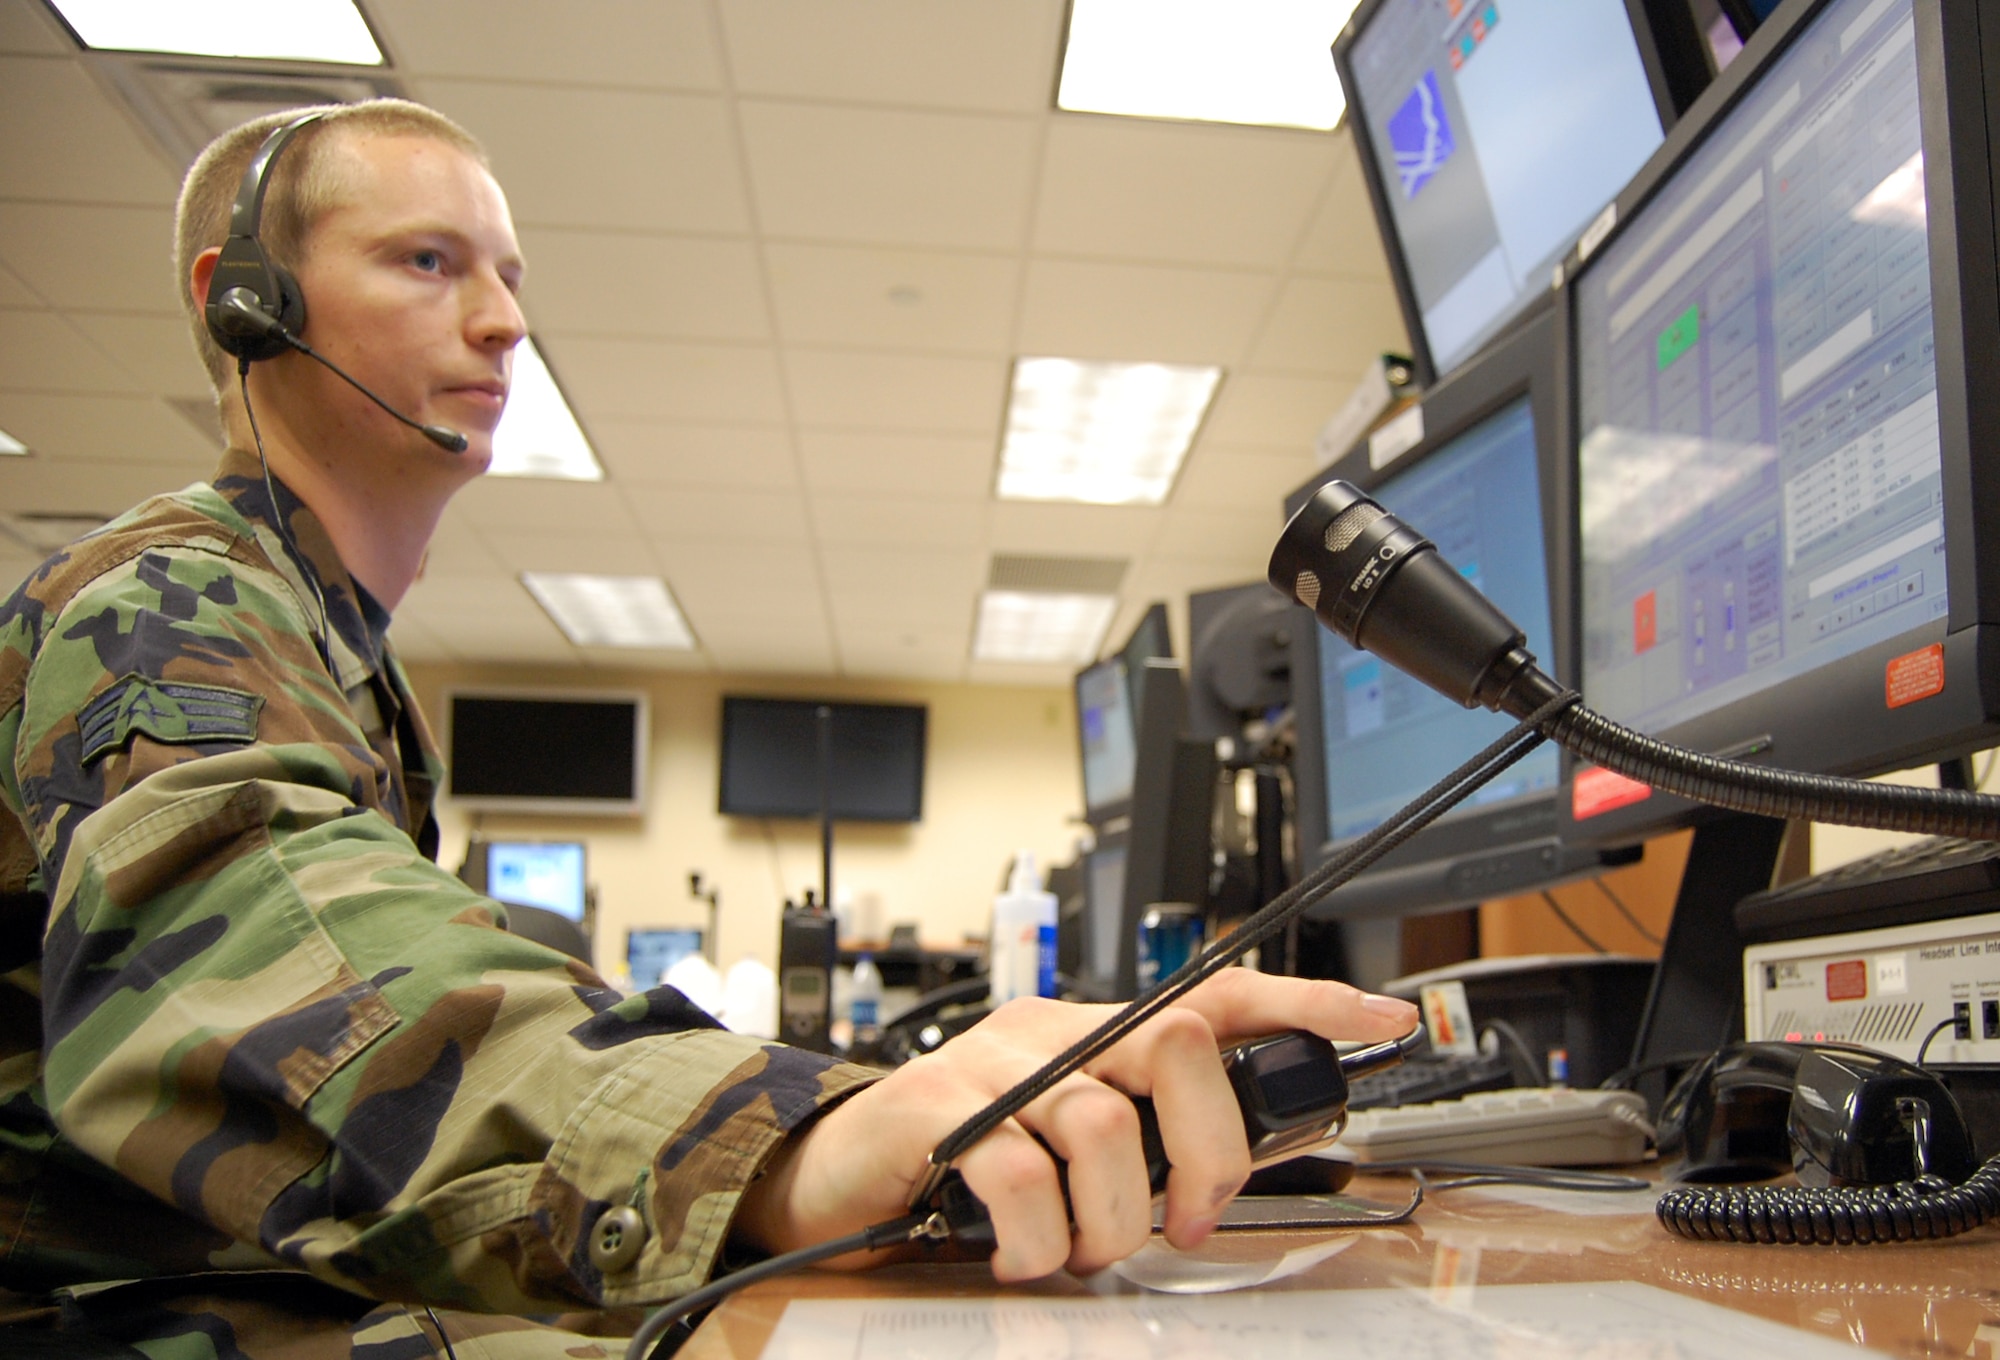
x,y
1880,1148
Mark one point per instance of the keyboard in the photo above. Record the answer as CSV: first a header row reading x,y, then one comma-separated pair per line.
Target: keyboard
x,y
1435,1076
1926,880
1526,1126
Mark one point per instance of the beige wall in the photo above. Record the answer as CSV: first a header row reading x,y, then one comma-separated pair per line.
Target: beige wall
x,y
1001,775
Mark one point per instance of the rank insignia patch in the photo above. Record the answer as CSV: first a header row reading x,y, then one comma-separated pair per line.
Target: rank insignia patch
x,y
177,714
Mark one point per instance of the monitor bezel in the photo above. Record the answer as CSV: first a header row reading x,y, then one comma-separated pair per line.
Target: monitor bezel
x,y
1523,364
1659,83
1770,726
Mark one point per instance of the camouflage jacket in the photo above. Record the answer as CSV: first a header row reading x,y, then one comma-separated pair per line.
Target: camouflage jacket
x,y
246,1022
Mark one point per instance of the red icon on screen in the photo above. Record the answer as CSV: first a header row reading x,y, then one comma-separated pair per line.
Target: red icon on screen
x,y
1645,621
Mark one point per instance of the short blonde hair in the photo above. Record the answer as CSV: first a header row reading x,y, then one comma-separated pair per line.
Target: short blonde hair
x,y
305,183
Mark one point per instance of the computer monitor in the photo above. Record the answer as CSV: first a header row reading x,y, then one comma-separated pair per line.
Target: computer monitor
x,y
650,952
1788,509
1484,485
1102,921
1491,135
770,763
1108,697
545,874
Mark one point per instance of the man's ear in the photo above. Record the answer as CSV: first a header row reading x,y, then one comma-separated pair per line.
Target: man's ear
x,y
202,271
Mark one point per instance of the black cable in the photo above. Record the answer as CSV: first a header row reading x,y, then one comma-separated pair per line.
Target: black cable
x,y
1937,1029
895,1232
1493,1173
443,1340
1512,1038
1623,1078
1570,921
324,642
1926,1209
1648,936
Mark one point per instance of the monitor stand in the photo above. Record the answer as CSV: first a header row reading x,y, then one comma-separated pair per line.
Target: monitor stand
x,y
1696,1002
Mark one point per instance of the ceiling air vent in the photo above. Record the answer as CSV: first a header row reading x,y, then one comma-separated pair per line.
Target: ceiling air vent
x,y
1056,575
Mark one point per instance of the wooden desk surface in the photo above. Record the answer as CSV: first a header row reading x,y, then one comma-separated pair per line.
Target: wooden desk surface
x,y
1931,1300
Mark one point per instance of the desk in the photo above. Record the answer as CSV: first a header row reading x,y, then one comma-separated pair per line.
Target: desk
x,y
1938,1299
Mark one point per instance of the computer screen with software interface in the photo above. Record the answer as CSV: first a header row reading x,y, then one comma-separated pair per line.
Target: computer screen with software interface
x,y
1759,463
1104,732
1494,132
546,874
1388,737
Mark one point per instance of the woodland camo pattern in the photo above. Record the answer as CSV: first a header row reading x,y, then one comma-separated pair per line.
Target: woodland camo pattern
x,y
247,1025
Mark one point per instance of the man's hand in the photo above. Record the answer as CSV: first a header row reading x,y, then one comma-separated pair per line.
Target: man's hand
x,y
859,1164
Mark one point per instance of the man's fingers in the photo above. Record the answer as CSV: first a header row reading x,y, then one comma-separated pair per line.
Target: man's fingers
x,y
1095,1130
1014,1177
1239,1003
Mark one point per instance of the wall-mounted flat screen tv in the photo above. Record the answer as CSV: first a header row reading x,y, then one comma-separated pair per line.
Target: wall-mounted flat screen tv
x,y
562,753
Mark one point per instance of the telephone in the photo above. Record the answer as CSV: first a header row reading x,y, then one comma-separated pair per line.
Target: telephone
x,y
1880,1148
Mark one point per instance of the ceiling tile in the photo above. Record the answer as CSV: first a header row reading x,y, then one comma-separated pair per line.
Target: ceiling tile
x,y
638,453
898,653
903,586
599,553
893,299
14,292
872,175
1127,188
908,52
415,642
1243,536
699,515
1225,478
860,521
787,653
619,283
1073,530
65,486
121,429
650,45
1260,408
102,256
779,579
1343,237
645,659
1331,327
14,568
43,352
155,350
896,391
534,503
26,27
477,617
457,549
1096,310
669,380
65,140
604,158
959,467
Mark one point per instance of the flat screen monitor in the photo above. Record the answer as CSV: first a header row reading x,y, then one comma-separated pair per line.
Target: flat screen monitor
x,y
771,767
1483,485
1785,416
562,753
545,874
1491,133
1103,919
651,952
1105,736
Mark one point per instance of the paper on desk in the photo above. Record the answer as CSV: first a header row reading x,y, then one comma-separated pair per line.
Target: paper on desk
x,y
1546,1321
1578,1203
1161,1268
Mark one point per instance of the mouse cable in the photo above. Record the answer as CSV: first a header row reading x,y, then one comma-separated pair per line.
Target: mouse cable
x,y
931,1226
1499,1173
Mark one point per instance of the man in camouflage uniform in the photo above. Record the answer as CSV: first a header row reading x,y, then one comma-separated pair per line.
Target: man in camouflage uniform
x,y
277,1074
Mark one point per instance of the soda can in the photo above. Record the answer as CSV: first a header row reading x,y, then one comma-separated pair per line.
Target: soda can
x,y
1170,933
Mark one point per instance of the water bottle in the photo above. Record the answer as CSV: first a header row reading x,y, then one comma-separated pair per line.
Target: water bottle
x,y
865,1007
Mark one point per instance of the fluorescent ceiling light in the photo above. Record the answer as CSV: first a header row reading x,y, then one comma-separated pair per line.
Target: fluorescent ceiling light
x,y
611,611
538,436
1106,434
1016,625
1267,62
11,445
275,30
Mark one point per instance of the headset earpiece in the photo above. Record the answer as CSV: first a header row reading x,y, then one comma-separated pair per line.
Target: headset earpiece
x,y
252,300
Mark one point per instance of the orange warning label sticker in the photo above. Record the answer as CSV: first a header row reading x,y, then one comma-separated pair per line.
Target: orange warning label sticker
x,y
1914,675
1597,790
1847,980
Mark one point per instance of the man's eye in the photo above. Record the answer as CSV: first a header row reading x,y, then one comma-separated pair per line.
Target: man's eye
x,y
428,260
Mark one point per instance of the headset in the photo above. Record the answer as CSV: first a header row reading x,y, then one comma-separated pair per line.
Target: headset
x,y
255,308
